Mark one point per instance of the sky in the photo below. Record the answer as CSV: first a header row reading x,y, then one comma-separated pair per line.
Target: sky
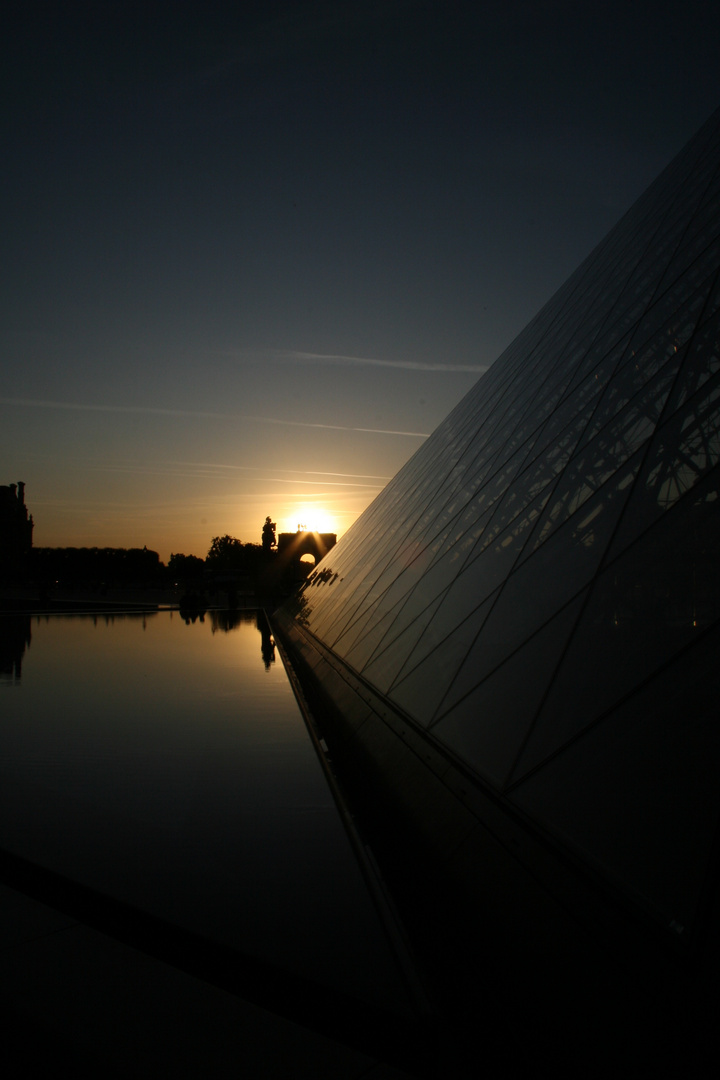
x,y
251,259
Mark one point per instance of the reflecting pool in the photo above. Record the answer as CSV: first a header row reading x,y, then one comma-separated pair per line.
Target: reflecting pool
x,y
166,763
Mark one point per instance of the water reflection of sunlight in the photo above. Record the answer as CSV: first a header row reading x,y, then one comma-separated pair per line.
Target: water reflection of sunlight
x,y
169,767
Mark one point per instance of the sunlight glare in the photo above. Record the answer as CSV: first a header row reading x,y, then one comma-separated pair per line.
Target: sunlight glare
x,y
313,519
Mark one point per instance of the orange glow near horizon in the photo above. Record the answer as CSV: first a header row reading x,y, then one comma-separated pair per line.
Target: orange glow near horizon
x,y
179,509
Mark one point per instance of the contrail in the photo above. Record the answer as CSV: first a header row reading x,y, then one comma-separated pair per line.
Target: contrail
x,y
258,468
328,483
405,365
147,410
337,427
149,470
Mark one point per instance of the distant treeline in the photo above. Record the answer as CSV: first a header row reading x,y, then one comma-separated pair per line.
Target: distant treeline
x,y
72,566
227,560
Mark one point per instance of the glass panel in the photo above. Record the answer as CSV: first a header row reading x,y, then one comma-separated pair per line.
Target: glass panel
x,y
682,452
534,480
584,399
456,606
487,570
702,362
637,795
467,527
650,402
420,693
394,650
487,727
712,305
374,629
700,244
607,452
547,580
645,607
673,315
410,607
360,625
431,586
402,574
645,361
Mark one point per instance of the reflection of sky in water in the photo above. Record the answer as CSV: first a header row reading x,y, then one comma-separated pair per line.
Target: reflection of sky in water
x,y
167,763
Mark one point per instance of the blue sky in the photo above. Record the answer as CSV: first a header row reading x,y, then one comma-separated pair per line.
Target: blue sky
x,y
250,260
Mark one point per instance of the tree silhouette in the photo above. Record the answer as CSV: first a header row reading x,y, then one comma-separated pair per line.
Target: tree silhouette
x,y
225,552
181,567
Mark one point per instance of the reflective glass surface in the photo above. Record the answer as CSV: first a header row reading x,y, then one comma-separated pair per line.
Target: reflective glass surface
x,y
553,546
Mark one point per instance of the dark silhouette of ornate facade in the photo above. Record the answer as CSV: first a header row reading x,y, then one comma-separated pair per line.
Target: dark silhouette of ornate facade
x,y
16,529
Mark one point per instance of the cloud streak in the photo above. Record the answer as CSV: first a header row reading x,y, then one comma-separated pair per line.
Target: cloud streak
x,y
147,410
294,472
367,361
196,473
328,483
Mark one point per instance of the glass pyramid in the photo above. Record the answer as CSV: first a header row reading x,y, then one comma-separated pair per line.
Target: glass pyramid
x,y
538,589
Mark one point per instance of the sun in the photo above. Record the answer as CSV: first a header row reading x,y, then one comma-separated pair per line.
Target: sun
x,y
311,518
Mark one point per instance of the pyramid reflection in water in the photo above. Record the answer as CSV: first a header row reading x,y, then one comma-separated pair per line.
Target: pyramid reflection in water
x,y
538,590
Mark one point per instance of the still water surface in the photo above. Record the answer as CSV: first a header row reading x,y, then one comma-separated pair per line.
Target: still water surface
x,y
167,764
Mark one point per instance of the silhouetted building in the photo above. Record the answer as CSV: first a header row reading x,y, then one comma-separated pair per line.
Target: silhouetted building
x,y
290,567
515,651
293,546
16,528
